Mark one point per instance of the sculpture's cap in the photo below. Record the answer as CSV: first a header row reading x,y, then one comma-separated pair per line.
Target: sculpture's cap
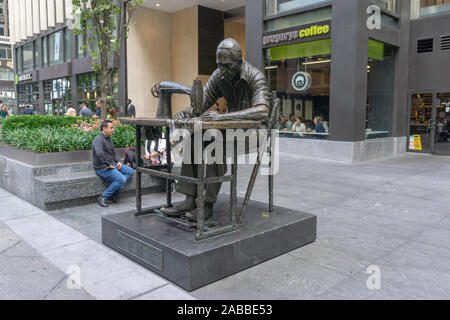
x,y
230,44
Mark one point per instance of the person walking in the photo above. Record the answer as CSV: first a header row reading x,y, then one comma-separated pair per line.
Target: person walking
x,y
131,109
107,164
98,110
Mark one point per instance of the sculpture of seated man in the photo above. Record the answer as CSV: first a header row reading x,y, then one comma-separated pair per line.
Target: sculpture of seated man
x,y
246,91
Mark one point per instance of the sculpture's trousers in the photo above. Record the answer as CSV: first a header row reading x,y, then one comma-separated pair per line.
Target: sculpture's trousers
x,y
212,171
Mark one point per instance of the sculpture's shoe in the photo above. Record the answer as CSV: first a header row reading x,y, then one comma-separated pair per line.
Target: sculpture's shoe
x,y
181,209
207,211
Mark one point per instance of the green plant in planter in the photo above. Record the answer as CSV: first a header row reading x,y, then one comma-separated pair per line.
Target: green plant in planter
x,y
62,139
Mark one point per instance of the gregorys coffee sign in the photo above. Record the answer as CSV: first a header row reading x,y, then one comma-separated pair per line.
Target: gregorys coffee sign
x,y
297,34
25,77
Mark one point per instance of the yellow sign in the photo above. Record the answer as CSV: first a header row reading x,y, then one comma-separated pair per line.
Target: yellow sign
x,y
314,31
415,143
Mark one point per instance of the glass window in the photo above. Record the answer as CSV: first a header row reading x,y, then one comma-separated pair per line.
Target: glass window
x,y
80,52
1,8
4,54
55,45
36,54
28,53
2,29
424,8
274,7
19,59
380,90
300,74
67,44
390,5
45,51
89,90
6,73
28,94
57,96
299,19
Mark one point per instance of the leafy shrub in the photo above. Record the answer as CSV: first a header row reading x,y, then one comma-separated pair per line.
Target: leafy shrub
x,y
35,122
65,134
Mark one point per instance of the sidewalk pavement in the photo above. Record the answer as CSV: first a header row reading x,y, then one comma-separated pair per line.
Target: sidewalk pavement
x,y
390,213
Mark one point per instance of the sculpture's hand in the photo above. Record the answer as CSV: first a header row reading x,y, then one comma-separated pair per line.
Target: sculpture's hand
x,y
210,116
186,114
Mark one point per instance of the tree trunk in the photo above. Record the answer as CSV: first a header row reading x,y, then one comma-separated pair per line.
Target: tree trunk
x,y
104,96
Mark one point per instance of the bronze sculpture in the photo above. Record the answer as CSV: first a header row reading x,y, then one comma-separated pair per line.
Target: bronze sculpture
x,y
246,91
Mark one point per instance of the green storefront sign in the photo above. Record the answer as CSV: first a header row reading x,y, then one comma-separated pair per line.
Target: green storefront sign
x,y
316,48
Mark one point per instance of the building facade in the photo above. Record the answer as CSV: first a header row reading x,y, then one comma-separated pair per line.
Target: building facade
x,y
374,82
54,71
7,92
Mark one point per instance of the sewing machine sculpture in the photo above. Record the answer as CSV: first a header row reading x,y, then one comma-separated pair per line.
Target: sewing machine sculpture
x,y
245,232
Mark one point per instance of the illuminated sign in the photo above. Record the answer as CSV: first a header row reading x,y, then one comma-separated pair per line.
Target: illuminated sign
x,y
25,77
314,31
297,34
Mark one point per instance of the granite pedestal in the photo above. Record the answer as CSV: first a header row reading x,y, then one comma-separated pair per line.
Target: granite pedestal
x,y
171,250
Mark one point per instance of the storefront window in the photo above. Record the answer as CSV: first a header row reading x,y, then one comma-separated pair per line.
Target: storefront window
x,y
300,74
89,90
380,90
424,8
57,96
28,94
274,7
299,19
55,42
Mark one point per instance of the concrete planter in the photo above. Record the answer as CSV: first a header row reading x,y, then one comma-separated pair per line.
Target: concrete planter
x,y
58,180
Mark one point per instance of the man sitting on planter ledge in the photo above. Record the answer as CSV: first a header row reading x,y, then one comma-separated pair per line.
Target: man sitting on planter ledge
x,y
107,165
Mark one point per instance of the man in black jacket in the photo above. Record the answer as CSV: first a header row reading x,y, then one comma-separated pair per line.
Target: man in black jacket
x,y
107,165
131,109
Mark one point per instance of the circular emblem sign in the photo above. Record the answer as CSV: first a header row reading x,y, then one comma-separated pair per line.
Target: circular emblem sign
x,y
301,81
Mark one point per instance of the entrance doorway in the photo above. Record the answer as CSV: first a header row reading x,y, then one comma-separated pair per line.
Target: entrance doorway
x,y
430,123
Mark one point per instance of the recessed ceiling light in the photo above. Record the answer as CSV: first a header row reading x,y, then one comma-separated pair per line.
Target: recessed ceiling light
x,y
158,5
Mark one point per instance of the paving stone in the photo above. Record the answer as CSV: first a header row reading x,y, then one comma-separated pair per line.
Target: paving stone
x,y
5,194
62,292
24,274
437,237
105,274
7,238
323,256
14,208
168,292
286,277
367,245
44,233
413,271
